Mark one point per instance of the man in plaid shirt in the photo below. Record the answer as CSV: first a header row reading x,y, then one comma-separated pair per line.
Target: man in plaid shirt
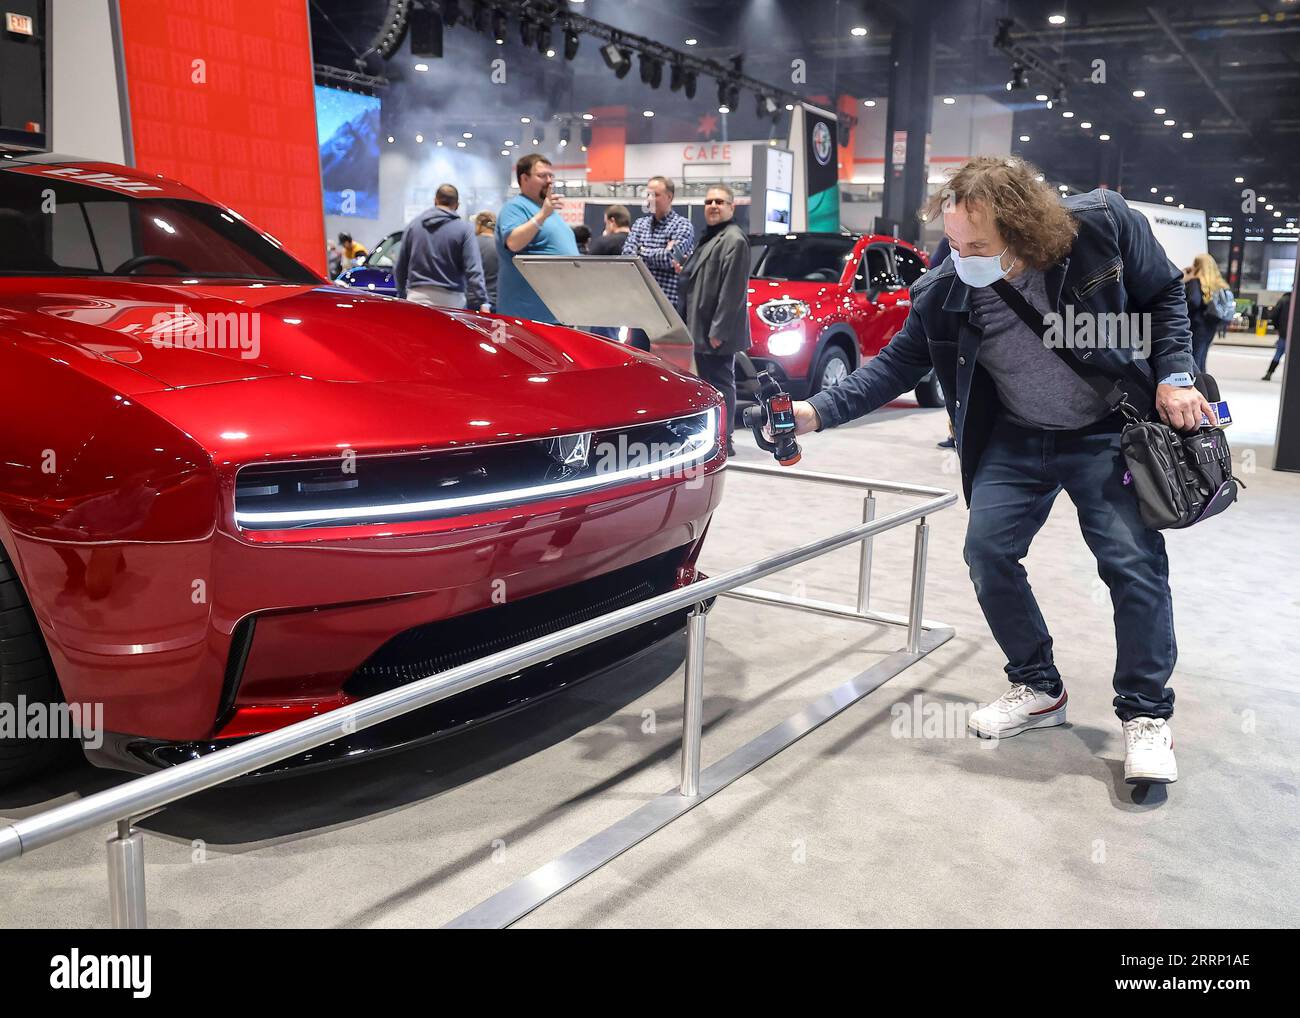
x,y
663,240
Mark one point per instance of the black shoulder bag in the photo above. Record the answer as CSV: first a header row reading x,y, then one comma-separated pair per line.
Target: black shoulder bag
x,y
1179,478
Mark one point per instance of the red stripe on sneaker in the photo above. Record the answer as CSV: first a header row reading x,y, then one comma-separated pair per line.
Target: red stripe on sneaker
x,y
1056,706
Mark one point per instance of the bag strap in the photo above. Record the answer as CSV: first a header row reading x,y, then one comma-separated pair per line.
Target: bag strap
x,y
1110,390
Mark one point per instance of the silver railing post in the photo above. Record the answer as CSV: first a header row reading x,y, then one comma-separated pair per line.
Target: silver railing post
x,y
126,878
864,562
693,705
917,605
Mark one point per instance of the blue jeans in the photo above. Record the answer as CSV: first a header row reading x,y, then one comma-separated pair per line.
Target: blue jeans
x,y
1017,479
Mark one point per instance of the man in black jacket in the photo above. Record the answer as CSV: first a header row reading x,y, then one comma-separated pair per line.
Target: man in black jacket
x,y
1028,426
714,287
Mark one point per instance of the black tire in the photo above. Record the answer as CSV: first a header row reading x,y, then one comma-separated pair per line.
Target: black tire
x,y
930,393
26,671
832,366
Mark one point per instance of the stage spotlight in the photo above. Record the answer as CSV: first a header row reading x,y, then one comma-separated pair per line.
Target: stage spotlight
x,y
689,82
570,44
527,32
1003,37
499,26
1018,78
767,106
586,135
564,136
652,70
450,12
675,76
482,16
1058,96
393,30
617,59
543,37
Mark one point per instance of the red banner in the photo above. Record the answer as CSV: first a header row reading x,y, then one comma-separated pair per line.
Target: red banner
x,y
221,98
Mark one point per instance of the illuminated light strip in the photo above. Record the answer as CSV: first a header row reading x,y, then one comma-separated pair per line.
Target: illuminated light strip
x,y
289,518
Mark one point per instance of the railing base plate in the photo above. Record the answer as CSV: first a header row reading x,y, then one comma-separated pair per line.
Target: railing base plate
x,y
511,904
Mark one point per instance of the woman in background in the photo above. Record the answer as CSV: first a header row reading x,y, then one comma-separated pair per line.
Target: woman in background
x,y
485,225
1281,312
1202,281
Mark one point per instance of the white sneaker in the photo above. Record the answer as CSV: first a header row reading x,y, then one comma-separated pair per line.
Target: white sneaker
x,y
1149,752
1017,710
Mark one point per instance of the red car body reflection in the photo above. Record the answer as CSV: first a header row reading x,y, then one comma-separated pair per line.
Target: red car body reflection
x,y
121,481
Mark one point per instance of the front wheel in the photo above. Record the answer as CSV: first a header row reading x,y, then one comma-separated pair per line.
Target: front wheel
x,y
930,393
26,672
832,368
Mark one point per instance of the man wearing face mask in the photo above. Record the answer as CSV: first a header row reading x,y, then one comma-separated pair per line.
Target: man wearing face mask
x,y
662,239
1027,426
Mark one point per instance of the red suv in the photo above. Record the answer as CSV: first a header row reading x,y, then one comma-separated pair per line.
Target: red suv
x,y
821,303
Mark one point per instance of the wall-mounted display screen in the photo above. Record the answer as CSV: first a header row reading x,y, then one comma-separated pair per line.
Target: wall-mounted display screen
x,y
347,130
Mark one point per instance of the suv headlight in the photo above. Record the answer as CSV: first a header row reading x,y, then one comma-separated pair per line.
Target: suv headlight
x,y
782,311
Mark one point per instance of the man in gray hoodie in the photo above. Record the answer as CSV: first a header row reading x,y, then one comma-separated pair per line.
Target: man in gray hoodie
x,y
439,262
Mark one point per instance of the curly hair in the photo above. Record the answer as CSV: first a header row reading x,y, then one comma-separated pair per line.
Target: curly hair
x,y
1026,211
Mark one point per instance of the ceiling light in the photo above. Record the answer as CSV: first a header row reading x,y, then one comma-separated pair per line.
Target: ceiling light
x,y
1159,111
1187,134
1056,19
616,58
588,116
460,144
1139,93
1085,124
691,42
421,67
1169,198
857,31
1067,114
467,135
1238,180
1041,97
868,103
948,100
1170,123
419,138
647,113
1103,137
1024,137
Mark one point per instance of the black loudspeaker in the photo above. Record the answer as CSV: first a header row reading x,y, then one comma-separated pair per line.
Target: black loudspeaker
x,y
426,32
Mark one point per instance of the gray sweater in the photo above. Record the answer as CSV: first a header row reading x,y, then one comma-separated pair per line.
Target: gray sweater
x,y
439,249
1037,388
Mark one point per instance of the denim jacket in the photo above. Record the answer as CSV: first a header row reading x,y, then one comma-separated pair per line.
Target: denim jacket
x,y
1114,266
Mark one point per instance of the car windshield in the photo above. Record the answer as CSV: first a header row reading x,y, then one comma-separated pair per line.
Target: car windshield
x,y
59,228
815,259
383,256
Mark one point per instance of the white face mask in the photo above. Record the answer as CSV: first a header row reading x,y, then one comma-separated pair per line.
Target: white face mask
x,y
980,270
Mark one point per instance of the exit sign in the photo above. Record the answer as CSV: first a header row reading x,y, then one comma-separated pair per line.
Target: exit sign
x,y
20,24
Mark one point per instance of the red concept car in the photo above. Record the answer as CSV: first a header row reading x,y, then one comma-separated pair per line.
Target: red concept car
x,y
233,496
821,303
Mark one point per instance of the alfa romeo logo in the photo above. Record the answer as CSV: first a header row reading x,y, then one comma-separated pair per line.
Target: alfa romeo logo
x,y
821,140
570,450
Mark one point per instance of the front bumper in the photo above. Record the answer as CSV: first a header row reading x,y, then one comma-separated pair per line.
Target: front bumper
x,y
428,649
747,369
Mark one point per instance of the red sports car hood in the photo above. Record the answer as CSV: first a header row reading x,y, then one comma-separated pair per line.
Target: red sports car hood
x,y
268,370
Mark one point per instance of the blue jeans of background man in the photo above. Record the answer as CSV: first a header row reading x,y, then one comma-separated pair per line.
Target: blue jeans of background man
x,y
1018,478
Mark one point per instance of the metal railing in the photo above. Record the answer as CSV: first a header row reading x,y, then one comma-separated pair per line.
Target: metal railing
x,y
145,795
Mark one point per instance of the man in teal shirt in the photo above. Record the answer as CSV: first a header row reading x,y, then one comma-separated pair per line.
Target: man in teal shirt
x,y
527,224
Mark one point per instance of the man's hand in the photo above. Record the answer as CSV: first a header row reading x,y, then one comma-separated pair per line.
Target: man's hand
x,y
1181,407
715,343
485,309
551,203
805,420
